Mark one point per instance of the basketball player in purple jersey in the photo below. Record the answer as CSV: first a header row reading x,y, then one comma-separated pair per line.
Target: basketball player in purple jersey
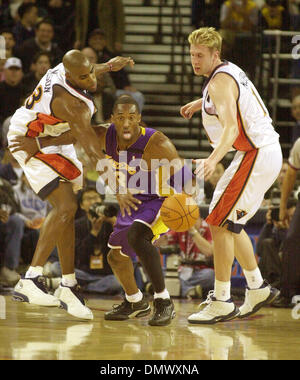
x,y
139,222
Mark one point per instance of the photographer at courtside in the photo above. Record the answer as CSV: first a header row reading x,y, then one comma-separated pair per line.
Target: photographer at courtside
x,y
91,236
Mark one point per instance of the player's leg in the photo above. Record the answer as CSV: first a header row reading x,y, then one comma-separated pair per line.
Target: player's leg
x,y
68,292
134,304
140,238
258,292
219,307
57,221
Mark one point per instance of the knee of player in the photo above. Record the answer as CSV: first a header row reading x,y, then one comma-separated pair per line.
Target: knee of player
x,y
113,258
67,211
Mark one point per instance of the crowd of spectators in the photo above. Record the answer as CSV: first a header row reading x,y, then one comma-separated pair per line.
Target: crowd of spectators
x,y
37,33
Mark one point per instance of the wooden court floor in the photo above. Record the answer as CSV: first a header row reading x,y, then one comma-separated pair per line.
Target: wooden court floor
x,y
32,332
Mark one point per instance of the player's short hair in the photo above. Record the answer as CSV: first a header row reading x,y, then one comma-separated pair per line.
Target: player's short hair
x,y
7,31
206,36
126,99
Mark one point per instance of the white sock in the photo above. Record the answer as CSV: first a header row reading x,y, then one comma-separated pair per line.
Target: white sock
x,y
253,278
33,272
137,297
69,280
222,290
164,294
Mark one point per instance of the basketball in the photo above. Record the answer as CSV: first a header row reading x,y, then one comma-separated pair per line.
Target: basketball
x,y
179,212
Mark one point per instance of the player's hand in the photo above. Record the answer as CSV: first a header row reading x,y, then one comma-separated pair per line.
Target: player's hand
x,y
25,144
117,63
4,215
284,217
189,109
127,202
204,168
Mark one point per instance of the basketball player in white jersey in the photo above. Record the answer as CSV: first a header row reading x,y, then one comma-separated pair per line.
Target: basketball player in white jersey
x,y
59,106
235,118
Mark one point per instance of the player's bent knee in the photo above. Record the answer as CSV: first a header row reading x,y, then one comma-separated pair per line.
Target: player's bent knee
x,y
67,211
139,235
114,258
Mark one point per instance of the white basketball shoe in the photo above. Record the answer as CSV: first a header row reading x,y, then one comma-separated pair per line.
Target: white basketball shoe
x,y
257,298
213,311
33,290
72,301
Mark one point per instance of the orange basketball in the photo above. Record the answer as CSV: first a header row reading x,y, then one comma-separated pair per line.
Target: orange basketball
x,y
179,212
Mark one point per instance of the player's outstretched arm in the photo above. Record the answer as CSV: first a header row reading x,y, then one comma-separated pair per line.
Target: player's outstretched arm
x,y
72,110
114,64
188,110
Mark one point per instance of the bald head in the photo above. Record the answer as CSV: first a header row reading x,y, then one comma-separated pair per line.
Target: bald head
x,y
74,60
79,70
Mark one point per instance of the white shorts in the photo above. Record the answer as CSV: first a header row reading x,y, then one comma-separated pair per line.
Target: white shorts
x,y
241,189
49,166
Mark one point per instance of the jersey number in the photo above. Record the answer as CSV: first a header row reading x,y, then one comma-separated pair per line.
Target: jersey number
x,y
35,97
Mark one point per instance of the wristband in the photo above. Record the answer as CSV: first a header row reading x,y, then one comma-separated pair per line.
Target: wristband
x,y
38,143
110,66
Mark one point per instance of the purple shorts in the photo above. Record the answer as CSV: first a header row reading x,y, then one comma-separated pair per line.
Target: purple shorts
x,y
146,213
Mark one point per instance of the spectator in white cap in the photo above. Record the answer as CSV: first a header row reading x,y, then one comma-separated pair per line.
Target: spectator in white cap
x,y
11,89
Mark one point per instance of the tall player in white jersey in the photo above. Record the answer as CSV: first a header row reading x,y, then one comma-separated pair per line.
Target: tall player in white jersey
x,y
59,106
235,118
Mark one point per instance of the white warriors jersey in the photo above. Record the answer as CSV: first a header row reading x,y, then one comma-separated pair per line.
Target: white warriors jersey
x,y
255,125
35,117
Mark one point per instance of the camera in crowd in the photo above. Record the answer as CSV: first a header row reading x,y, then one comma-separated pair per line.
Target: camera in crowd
x,y
97,209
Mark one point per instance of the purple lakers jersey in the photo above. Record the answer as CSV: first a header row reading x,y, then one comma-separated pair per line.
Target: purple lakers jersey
x,y
127,164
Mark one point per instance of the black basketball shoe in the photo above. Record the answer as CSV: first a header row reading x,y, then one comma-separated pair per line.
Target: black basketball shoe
x,y
163,312
127,310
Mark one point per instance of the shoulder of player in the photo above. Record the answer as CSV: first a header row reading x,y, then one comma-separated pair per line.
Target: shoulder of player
x,y
67,103
157,143
222,84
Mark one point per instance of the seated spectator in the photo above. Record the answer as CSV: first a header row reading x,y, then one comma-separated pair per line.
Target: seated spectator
x,y
295,110
273,15
33,212
97,40
10,42
11,89
91,235
270,239
62,14
107,15
10,170
238,20
104,95
210,185
24,28
43,41
196,251
41,63
290,249
206,12
11,232
272,196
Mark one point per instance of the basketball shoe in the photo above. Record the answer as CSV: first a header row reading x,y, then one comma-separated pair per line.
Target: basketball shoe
x,y
33,290
163,312
213,311
127,310
257,298
72,301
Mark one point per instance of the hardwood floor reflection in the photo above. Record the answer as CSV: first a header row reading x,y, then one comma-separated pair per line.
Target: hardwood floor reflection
x,y
32,332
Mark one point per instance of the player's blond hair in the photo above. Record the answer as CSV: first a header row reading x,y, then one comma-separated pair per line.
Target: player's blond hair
x,y
208,37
